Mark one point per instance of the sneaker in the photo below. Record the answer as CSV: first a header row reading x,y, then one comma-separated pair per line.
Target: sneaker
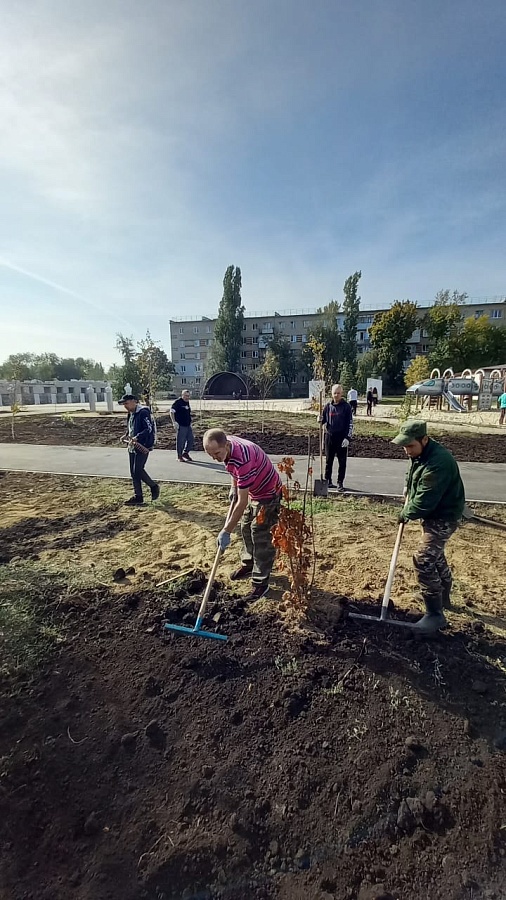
x,y
155,492
340,486
187,457
241,572
180,459
257,591
134,501
330,484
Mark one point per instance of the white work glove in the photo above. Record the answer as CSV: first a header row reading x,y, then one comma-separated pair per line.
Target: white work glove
x,y
345,443
223,540
232,495
176,426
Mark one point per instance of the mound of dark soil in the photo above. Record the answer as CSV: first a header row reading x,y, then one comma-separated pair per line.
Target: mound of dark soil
x,y
142,765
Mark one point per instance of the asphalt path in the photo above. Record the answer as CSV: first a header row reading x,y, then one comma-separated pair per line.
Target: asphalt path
x,y
484,482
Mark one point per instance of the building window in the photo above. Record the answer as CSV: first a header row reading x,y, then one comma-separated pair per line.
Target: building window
x,y
478,313
195,329
303,379
208,329
243,354
425,349
181,331
196,342
299,339
198,367
197,356
255,354
182,368
496,313
255,326
197,381
304,338
281,326
255,340
267,325
307,323
244,327
292,324
182,355
244,368
182,344
183,381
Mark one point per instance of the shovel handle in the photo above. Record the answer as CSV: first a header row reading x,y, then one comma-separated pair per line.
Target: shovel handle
x,y
212,576
391,573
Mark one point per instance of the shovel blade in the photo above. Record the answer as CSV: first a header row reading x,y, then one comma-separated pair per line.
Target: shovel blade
x,y
321,487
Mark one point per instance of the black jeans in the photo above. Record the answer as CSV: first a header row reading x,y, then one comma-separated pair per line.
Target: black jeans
x,y
137,462
332,449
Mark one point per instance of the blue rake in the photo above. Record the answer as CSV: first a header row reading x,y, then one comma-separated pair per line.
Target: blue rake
x,y
196,631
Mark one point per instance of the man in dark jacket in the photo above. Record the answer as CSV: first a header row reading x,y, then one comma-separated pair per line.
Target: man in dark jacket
x,y
181,417
140,436
434,494
337,419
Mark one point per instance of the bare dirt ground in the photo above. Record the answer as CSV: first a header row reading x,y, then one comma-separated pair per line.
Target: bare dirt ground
x,y
292,762
283,433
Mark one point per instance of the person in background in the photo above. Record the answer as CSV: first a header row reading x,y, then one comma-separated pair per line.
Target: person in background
x,y
375,396
181,416
502,407
140,437
434,495
353,400
337,419
255,491
369,401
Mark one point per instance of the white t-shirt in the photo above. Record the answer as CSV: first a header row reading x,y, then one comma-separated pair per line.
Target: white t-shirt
x,y
352,395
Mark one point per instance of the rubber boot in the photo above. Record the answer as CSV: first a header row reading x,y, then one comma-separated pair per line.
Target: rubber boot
x,y
434,619
447,589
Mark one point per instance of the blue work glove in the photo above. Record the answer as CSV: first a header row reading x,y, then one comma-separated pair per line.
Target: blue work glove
x,y
345,443
223,540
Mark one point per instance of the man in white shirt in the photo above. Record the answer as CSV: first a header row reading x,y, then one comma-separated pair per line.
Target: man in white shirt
x,y
352,400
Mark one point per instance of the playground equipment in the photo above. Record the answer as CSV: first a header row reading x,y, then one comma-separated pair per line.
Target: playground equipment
x,y
448,387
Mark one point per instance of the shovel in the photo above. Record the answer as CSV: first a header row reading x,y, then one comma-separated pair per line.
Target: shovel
x,y
384,618
321,485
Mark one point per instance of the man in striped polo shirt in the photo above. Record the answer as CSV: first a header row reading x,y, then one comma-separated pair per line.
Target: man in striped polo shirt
x,y
255,488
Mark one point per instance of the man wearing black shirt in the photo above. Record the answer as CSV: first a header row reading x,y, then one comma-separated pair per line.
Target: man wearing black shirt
x,y
181,416
337,419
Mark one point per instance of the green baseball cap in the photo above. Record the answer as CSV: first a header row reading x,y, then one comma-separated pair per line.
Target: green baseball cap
x,y
411,431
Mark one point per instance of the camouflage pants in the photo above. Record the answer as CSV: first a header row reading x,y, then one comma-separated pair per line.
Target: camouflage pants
x,y
257,548
433,571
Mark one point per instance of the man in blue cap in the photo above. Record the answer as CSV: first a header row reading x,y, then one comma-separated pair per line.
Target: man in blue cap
x,y
434,494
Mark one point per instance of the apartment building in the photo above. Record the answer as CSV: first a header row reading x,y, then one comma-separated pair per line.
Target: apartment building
x,y
192,338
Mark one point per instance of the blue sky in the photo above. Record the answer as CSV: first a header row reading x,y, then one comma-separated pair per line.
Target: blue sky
x,y
146,146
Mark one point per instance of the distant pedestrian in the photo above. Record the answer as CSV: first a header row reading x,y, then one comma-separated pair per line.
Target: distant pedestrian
x,y
375,396
337,419
502,407
369,401
140,437
181,416
353,400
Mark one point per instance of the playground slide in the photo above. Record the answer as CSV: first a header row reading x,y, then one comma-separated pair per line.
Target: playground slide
x,y
452,400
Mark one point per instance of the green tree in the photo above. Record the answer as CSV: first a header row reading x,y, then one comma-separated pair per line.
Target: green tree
x,y
288,361
17,367
367,367
44,366
390,333
265,378
347,379
226,353
442,322
351,309
154,366
322,355
477,343
418,370
66,369
129,372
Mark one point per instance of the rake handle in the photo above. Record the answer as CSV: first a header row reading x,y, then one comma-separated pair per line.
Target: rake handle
x,y
391,573
205,598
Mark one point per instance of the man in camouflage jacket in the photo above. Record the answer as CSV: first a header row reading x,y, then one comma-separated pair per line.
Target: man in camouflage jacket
x,y
434,494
